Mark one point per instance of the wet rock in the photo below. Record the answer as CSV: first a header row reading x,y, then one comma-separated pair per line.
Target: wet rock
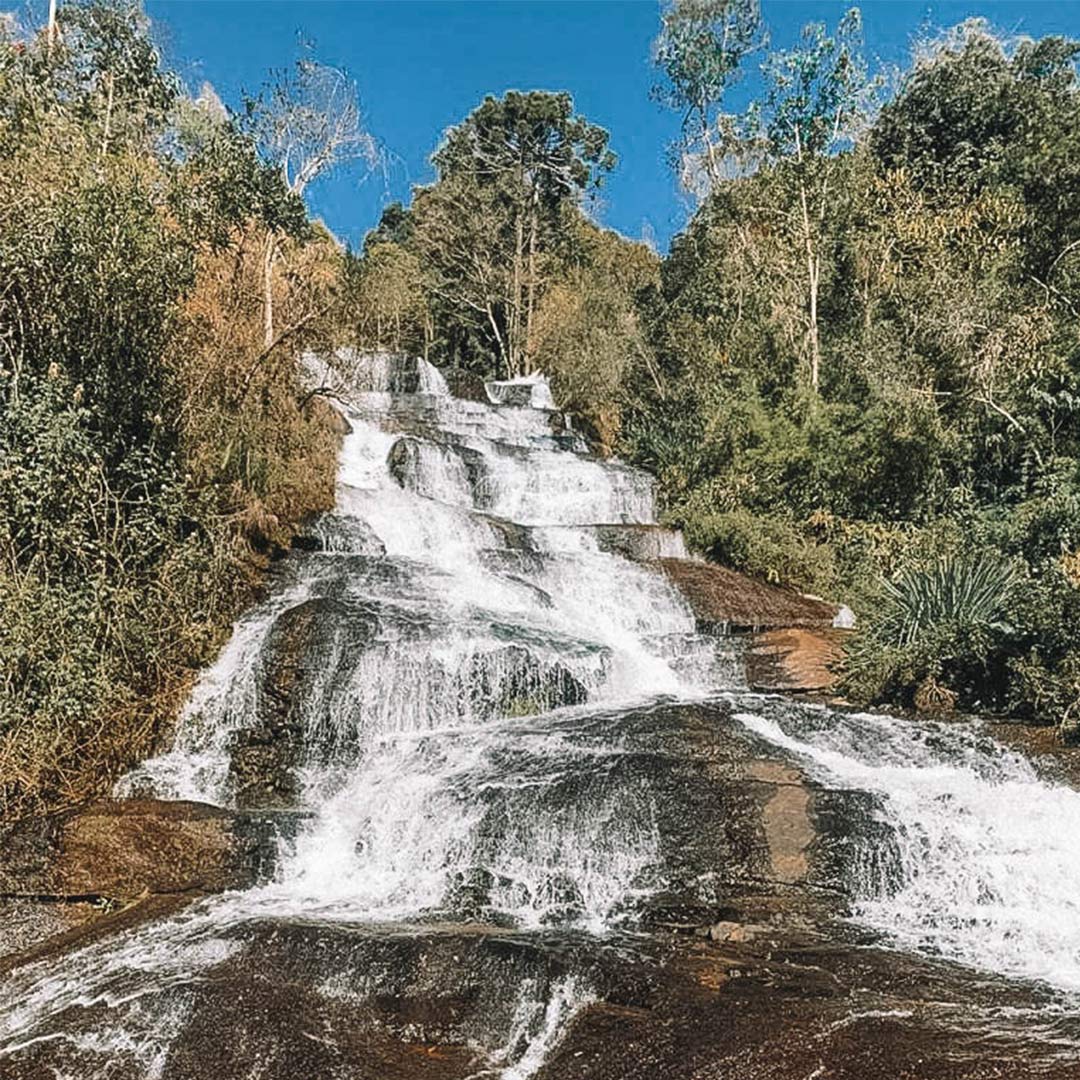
x,y
120,850
795,660
734,932
466,385
532,392
304,542
335,533
513,682
421,465
643,543
725,599
265,754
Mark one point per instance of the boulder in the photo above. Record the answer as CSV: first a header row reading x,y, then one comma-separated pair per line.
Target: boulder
x,y
529,391
120,850
513,681
643,543
725,599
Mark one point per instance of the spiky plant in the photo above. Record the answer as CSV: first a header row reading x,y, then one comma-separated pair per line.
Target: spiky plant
x,y
957,590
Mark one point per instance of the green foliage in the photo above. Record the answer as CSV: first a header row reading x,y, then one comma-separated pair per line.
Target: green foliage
x,y
973,592
816,94
864,362
766,546
700,49
122,555
536,138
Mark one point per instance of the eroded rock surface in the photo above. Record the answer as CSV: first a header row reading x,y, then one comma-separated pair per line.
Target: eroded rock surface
x,y
737,964
119,850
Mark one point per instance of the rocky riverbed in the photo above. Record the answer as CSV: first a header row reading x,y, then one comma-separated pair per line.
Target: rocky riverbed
x,y
745,965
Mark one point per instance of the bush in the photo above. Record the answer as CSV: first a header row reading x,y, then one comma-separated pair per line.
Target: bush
x,y
764,546
989,634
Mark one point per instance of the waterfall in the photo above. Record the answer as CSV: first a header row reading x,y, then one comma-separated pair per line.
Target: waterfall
x,y
461,693
983,866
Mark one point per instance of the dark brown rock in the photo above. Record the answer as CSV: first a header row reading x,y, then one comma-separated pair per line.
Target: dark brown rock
x,y
120,850
723,598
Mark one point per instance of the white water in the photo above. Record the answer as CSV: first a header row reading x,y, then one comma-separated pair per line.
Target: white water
x,y
986,866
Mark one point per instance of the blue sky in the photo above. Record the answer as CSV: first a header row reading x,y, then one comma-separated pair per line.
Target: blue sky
x,y
422,66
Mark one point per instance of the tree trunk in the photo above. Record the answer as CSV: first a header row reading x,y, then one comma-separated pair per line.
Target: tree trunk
x,y
534,225
108,114
50,34
813,275
711,170
513,330
269,251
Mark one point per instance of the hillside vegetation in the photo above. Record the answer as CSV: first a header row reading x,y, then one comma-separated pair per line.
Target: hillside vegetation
x,y
856,372
152,451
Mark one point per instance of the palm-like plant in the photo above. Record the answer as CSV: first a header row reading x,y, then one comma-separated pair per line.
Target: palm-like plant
x,y
957,590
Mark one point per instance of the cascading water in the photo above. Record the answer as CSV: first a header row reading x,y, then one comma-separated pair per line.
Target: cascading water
x,y
983,866
455,688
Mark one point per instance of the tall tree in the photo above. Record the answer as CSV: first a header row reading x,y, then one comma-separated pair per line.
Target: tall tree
x,y
307,122
818,99
531,156
700,50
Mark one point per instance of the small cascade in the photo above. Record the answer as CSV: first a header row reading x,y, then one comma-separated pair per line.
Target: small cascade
x,y
980,865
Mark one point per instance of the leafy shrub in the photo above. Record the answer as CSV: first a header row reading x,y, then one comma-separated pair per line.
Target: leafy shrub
x,y
963,591
149,442
768,547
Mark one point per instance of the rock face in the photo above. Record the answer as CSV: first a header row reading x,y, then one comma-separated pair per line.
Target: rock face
x,y
795,660
744,971
727,600
121,850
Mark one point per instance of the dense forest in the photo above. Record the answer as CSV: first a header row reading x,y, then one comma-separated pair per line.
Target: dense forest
x,y
857,372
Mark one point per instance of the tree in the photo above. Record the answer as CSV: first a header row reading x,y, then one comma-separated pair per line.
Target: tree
x,y
700,50
817,100
388,306
588,330
976,112
307,122
527,156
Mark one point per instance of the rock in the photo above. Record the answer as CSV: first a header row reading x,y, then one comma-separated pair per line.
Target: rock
x,y
266,753
725,599
734,932
304,542
844,619
465,384
643,543
121,850
513,682
28,921
794,659
413,462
